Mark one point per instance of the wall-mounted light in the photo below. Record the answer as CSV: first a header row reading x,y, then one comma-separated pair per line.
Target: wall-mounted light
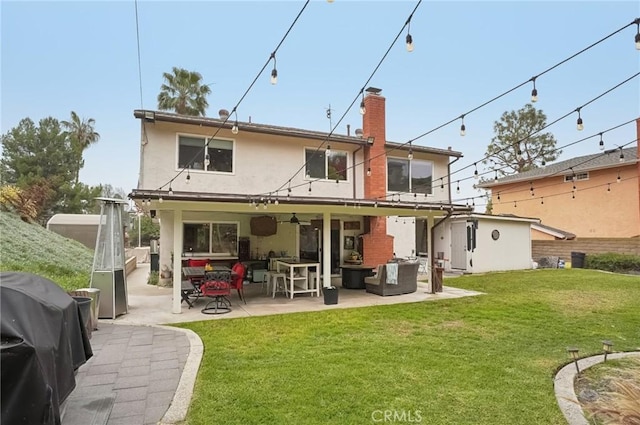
x,y
149,116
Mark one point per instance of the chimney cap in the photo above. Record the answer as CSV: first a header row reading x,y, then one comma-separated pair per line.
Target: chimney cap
x,y
373,90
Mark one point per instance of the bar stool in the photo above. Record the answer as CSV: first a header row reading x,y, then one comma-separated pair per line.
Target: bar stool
x,y
266,281
278,283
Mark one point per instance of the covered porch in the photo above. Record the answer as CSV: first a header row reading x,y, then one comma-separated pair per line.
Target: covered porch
x,y
319,215
148,304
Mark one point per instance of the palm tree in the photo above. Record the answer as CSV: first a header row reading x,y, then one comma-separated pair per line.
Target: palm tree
x,y
183,93
81,133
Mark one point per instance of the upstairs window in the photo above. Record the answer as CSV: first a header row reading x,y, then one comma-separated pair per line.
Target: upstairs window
x,y
193,153
413,176
576,177
320,167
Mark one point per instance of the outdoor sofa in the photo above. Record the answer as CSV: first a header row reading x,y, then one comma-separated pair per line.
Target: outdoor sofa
x,y
407,281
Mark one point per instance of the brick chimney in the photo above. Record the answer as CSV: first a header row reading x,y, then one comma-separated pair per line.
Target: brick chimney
x,y
377,244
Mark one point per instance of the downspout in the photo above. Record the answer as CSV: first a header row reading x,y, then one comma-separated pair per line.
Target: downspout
x,y
449,175
353,161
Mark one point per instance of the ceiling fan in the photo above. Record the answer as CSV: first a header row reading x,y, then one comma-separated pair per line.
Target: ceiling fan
x,y
294,220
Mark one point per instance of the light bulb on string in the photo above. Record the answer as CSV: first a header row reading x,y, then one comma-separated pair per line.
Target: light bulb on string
x,y
463,128
608,187
234,129
618,178
309,187
410,156
534,92
621,155
601,144
328,151
498,196
409,39
206,161
363,109
579,124
475,172
274,71
170,190
637,39
369,172
188,177
542,200
495,178
458,187
160,200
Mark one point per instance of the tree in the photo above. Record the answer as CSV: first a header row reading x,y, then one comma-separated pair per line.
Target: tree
x,y
82,134
35,159
514,149
183,93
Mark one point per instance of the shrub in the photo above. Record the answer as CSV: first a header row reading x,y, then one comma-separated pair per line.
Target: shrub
x,y
619,263
153,278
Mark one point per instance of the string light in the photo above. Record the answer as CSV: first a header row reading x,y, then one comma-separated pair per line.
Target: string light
x,y
498,196
573,195
274,71
515,204
534,92
170,190
328,150
410,156
542,200
463,129
621,155
188,177
608,187
442,183
579,124
495,178
363,109
206,162
309,187
638,35
458,187
618,178
160,200
234,129
409,39
601,144
369,172
475,172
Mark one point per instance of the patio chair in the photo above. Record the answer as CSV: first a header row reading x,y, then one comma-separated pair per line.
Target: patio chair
x,y
219,289
237,279
195,262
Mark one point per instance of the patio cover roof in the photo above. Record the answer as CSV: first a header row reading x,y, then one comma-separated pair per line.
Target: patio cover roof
x,y
241,203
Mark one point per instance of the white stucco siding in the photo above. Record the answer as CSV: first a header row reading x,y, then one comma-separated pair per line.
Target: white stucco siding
x,y
262,163
403,230
439,170
511,251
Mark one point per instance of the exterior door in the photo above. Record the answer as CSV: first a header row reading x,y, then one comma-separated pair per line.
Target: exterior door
x,y
459,245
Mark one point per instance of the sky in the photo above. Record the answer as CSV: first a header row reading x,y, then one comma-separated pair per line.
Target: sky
x,y
82,56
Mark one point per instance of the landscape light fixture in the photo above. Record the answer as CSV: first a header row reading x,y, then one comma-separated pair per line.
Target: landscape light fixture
x,y
606,347
573,352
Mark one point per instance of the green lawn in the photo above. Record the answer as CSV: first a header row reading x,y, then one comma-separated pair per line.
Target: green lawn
x,y
479,360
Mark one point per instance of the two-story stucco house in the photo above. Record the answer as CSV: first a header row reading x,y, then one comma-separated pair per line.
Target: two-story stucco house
x,y
591,196
229,190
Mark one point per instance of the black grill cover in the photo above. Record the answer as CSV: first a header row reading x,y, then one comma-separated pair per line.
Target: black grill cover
x,y
43,342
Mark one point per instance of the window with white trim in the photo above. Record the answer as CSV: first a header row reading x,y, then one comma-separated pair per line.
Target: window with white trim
x,y
318,166
193,153
215,238
413,176
576,177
